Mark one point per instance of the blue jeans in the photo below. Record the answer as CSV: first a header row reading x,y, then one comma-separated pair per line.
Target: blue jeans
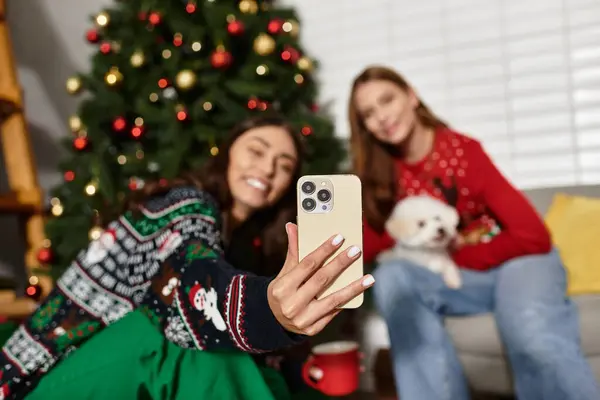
x,y
537,322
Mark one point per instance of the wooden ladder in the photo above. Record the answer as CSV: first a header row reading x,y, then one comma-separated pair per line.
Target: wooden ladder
x,y
25,198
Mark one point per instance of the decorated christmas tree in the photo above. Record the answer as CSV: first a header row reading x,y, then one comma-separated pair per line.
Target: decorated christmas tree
x,y
167,82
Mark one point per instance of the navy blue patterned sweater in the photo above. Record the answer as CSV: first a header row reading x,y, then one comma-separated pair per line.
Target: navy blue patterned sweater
x,y
167,262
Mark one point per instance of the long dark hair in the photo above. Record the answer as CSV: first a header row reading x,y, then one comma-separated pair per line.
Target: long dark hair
x,y
268,224
372,161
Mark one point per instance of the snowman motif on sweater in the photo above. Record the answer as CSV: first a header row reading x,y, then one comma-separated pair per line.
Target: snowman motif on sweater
x,y
99,248
206,301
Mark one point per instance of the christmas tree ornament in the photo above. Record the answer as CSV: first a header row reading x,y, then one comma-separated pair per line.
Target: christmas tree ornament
x,y
290,54
91,188
92,36
248,6
235,28
252,103
299,79
80,143
305,64
57,210
154,18
306,130
220,58
166,54
113,76
119,124
73,85
207,106
69,176
181,113
34,290
75,123
137,59
264,44
163,83
102,19
291,27
95,233
214,150
263,105
190,7
177,39
262,70
185,79
44,255
274,26
105,48
136,132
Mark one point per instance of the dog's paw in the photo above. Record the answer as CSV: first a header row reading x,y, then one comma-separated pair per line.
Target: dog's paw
x,y
452,277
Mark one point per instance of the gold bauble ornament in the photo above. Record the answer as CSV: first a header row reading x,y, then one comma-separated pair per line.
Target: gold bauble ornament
x,y
75,123
102,19
73,85
292,27
137,59
113,76
248,6
264,44
185,79
305,64
95,233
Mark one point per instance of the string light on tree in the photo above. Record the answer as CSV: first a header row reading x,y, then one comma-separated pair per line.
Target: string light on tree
x,y
235,28
113,76
177,39
102,19
119,124
137,59
207,106
181,113
290,54
196,46
185,79
248,6
75,123
306,130
154,18
214,150
44,255
190,7
137,131
264,44
299,79
69,176
262,70
57,207
105,48
305,64
291,27
91,188
80,143
34,290
95,233
73,85
220,58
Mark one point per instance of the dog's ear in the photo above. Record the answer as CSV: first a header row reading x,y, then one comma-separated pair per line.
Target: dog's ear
x,y
450,217
401,229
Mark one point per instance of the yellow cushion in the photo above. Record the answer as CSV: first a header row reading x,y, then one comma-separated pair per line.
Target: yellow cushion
x,y
574,223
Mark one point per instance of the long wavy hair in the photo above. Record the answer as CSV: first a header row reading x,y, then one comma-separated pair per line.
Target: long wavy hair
x,y
269,223
373,161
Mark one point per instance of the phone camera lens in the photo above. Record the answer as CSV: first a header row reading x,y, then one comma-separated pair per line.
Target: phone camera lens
x,y
324,195
309,204
308,187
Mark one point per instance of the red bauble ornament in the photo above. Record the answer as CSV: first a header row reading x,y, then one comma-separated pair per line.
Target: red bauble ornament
x,y
220,59
163,83
182,115
235,28
105,48
69,176
34,292
80,143
290,55
119,124
314,107
252,104
190,8
92,36
44,255
154,18
307,130
274,26
136,132
263,105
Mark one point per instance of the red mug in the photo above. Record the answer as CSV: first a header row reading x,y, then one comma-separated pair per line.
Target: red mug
x,y
333,368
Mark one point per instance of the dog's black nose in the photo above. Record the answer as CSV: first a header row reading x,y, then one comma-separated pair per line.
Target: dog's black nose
x,y
441,232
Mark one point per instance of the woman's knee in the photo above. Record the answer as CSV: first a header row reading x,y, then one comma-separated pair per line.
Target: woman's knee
x,y
395,283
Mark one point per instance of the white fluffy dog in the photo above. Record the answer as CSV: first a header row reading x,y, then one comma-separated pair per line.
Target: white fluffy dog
x,y
423,227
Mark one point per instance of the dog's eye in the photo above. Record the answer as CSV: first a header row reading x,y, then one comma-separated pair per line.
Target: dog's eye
x,y
421,224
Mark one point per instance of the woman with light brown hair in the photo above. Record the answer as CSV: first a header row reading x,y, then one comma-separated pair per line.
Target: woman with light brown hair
x,y
507,264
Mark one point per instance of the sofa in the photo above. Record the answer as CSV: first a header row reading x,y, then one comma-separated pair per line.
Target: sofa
x,y
476,337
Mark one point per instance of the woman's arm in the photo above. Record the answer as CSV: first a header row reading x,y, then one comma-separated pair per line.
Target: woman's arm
x,y
208,303
523,230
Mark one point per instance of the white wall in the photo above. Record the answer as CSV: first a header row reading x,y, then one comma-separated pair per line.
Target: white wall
x,y
521,75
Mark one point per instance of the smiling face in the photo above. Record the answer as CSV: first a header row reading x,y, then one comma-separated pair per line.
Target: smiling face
x,y
387,110
262,162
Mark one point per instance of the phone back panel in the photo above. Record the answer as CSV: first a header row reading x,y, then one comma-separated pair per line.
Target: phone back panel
x,y
341,214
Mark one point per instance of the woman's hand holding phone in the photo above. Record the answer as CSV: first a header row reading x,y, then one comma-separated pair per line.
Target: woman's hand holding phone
x,y
293,293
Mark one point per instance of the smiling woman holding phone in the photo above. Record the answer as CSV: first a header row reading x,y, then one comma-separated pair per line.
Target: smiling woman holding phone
x,y
157,284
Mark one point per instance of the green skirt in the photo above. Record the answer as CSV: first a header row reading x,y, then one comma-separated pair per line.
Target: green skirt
x,y
131,359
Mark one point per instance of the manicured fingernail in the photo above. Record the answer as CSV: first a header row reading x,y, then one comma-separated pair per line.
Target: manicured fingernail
x,y
353,252
337,239
287,227
368,281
